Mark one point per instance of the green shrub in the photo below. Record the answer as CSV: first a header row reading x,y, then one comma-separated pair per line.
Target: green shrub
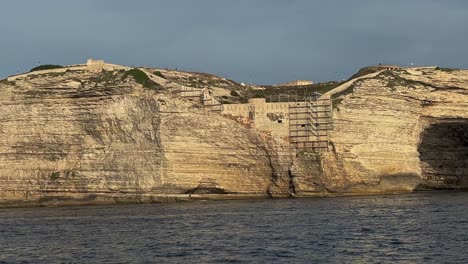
x,y
365,71
445,69
140,77
159,74
54,176
46,67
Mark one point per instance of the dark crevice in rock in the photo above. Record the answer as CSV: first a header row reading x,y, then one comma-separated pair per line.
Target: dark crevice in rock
x,y
207,186
292,185
206,190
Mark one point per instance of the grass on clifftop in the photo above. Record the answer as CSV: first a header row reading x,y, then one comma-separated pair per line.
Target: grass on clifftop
x,y
446,69
365,71
46,67
284,92
141,78
394,80
159,74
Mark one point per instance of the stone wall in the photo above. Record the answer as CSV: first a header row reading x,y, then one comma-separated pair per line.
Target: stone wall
x,y
271,118
303,125
95,65
210,103
237,110
98,65
296,83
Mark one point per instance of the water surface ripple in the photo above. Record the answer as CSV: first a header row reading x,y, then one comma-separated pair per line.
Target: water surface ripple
x,y
413,228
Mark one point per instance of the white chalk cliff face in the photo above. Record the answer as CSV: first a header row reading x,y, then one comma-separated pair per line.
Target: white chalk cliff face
x,y
91,137
397,131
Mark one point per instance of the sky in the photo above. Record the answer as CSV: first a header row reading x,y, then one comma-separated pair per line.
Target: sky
x,y
252,41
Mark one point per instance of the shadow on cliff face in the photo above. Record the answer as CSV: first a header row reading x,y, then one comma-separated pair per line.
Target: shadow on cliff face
x,y
444,156
207,186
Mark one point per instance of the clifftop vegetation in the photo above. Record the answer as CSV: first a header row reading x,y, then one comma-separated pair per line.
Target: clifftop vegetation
x,y
365,71
46,67
141,78
283,92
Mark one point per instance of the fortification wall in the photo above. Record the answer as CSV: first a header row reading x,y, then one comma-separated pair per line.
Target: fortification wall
x,y
240,110
272,118
297,83
98,65
209,102
95,65
191,95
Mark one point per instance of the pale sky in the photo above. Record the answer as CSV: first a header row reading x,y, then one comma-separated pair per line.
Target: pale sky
x,y
254,41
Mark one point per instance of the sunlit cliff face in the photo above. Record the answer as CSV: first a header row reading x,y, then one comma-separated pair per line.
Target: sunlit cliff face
x,y
444,155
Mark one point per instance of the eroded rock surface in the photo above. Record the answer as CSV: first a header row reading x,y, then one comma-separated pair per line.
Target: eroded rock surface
x,y
387,134
102,137
91,137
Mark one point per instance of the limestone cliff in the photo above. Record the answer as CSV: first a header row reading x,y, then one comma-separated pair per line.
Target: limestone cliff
x,y
397,130
81,136
92,137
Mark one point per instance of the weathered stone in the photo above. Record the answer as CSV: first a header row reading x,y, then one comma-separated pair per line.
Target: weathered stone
x,y
98,137
379,132
72,141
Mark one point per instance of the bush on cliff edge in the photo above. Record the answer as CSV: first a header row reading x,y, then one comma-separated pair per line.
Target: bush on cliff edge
x,y
46,67
141,78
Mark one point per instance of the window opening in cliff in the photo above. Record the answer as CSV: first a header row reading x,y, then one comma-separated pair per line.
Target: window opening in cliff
x,y
444,156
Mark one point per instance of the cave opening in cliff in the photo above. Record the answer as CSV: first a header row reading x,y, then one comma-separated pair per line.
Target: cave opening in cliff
x,y
444,156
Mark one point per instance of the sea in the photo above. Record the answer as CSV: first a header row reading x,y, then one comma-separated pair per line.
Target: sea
x,y
425,227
